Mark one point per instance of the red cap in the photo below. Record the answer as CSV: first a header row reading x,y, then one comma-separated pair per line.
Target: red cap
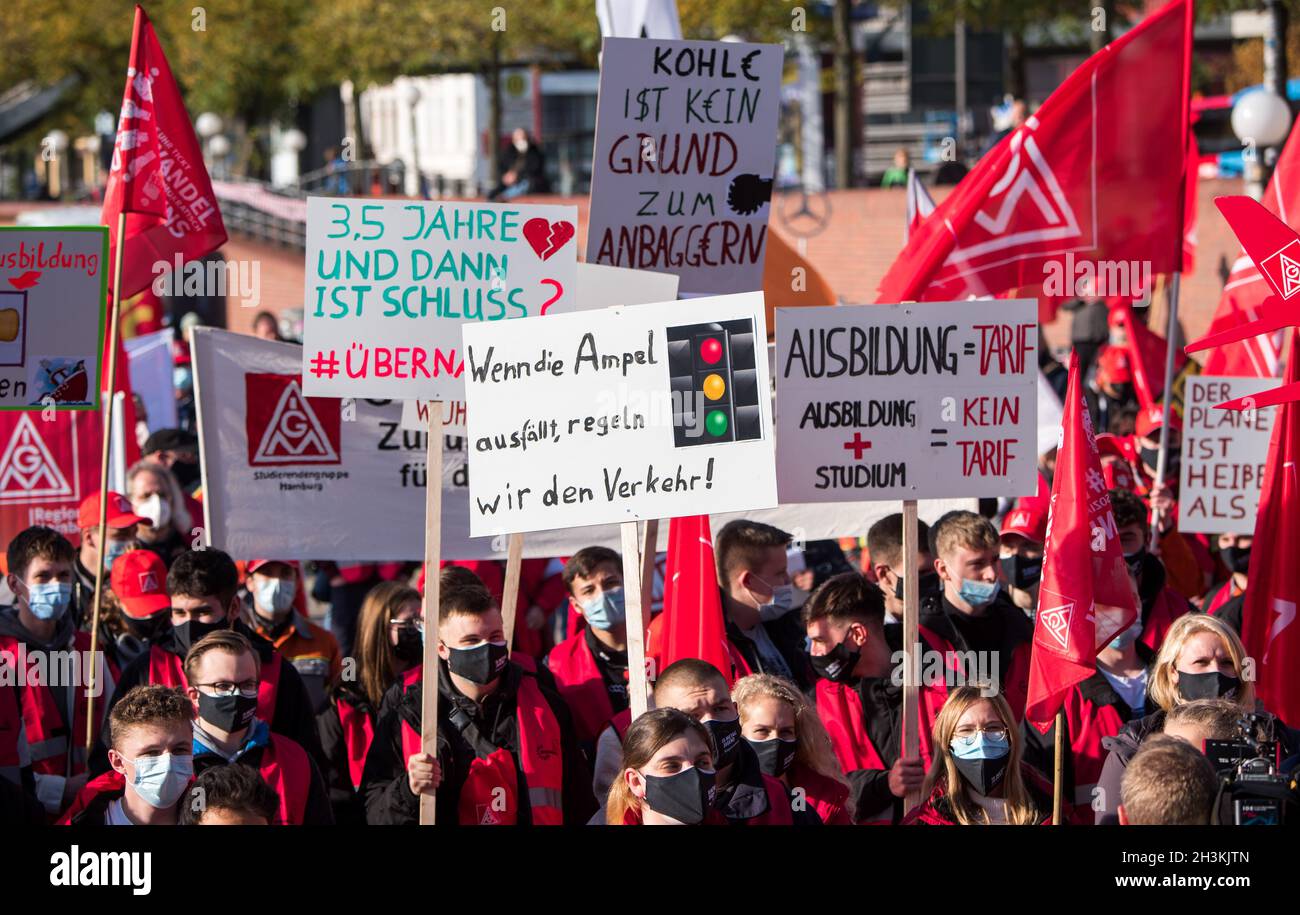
x,y
120,513
1119,475
1029,521
1152,418
140,582
256,564
1112,366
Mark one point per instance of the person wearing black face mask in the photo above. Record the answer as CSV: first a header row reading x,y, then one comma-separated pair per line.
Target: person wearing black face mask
x,y
1021,553
507,753
859,699
203,586
666,774
388,646
143,615
1161,604
885,548
745,795
1228,599
222,672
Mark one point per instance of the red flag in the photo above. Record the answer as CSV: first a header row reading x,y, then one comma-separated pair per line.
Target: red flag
x,y
1268,618
1146,355
919,204
1193,167
157,178
1086,596
1245,290
693,625
1086,178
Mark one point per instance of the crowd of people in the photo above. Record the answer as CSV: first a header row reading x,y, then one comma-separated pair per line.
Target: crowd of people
x,y
224,696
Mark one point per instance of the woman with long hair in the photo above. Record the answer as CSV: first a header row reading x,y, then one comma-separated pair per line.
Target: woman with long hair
x,y
792,744
1200,658
667,774
977,776
389,646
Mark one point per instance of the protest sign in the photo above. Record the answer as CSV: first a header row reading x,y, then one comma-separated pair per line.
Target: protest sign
x,y
907,401
149,361
52,316
1223,456
598,286
684,158
389,284
617,415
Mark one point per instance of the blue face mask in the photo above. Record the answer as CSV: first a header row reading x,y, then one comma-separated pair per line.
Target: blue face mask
x,y
978,593
274,595
48,601
161,780
606,611
114,549
982,746
1128,636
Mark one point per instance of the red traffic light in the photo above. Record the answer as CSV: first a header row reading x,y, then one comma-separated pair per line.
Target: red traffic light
x,y
711,350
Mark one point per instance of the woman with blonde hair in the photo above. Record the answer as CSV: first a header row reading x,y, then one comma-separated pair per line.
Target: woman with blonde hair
x,y
792,744
1200,658
667,775
389,646
978,776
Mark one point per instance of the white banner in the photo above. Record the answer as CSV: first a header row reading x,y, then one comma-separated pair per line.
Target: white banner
x,y
931,400
151,366
390,283
621,414
52,316
1221,466
684,156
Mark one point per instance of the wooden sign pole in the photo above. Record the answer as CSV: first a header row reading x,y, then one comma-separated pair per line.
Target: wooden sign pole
x,y
1058,779
649,548
510,591
91,687
911,662
432,561
637,684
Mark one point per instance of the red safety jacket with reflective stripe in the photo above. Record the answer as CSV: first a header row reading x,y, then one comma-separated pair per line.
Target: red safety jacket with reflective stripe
x,y
111,782
167,669
581,685
489,796
286,768
11,726
1089,723
47,735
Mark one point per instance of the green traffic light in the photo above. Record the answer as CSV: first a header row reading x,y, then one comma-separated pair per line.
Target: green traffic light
x,y
716,423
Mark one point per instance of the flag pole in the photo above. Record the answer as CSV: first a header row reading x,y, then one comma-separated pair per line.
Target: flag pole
x,y
911,666
637,684
107,406
1162,461
510,591
432,557
1058,779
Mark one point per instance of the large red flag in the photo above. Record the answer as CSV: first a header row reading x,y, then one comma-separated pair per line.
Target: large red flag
x,y
1268,618
1146,354
1096,174
1245,290
693,625
157,178
1085,597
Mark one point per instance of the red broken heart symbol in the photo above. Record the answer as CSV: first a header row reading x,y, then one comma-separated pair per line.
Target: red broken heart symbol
x,y
547,237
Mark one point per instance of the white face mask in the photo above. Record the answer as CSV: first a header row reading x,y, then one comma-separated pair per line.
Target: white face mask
x,y
160,780
156,509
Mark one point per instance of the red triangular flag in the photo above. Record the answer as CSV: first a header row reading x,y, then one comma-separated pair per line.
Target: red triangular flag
x,y
1268,619
157,178
1146,355
693,625
1193,167
1064,184
1086,596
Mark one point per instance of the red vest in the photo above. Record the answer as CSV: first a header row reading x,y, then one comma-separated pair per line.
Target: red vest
x,y
286,768
778,811
167,669
1221,596
825,795
111,782
840,710
1014,685
358,732
47,736
489,796
11,725
581,685
1169,605
1088,725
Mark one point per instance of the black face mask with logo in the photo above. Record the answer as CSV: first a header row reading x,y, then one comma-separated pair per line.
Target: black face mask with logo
x,y
927,583
1237,559
481,664
685,796
1210,685
1021,572
775,756
191,631
228,713
726,738
836,665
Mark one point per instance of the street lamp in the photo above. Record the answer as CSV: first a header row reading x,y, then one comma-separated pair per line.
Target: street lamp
x,y
208,124
218,149
1260,119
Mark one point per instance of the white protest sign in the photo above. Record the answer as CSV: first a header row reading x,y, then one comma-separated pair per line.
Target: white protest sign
x,y
150,363
389,284
598,286
927,400
684,156
52,316
1221,466
622,414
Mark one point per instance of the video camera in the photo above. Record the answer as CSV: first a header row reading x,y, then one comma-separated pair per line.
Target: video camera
x,y
1252,790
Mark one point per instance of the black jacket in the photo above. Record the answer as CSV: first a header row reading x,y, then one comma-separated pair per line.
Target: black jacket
x,y
316,813
788,635
746,796
882,714
293,715
479,731
1013,629
346,801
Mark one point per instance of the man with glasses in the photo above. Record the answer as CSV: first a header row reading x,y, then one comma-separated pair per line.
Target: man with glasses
x,y
223,673
203,587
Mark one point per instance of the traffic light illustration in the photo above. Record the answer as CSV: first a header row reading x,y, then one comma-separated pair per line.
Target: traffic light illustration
x,y
714,381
